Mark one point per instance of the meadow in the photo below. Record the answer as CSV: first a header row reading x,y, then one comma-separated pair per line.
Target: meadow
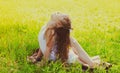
x,y
96,26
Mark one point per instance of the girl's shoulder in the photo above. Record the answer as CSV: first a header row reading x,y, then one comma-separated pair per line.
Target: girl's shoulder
x,y
42,31
43,27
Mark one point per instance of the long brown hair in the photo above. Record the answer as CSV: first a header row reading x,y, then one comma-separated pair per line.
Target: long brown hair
x,y
63,42
61,26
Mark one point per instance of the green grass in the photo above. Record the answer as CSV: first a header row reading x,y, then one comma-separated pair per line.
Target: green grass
x,y
96,26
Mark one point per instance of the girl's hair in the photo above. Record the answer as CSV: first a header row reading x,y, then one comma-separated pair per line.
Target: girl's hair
x,y
62,41
59,29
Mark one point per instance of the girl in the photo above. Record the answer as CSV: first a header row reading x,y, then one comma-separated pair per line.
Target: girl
x,y
55,43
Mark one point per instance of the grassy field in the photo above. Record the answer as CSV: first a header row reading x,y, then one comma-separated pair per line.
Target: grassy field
x,y
96,26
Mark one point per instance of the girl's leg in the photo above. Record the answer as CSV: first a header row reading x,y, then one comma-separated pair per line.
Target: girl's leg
x,y
83,56
37,56
95,59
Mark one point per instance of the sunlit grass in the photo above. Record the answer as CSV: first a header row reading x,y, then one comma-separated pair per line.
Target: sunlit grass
x,y
96,26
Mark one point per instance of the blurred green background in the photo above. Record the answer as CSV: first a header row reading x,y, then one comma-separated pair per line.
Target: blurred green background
x,y
96,26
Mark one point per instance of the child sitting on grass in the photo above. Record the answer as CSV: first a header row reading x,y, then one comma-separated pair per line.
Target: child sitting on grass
x,y
56,43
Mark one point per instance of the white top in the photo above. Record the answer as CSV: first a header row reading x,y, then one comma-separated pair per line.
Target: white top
x,y
72,57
